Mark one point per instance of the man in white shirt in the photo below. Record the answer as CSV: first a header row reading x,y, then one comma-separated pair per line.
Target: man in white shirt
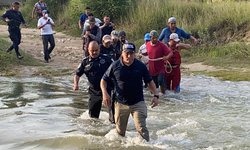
x,y
45,24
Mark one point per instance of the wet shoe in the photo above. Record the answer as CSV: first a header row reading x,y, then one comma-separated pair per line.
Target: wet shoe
x,y
20,57
46,61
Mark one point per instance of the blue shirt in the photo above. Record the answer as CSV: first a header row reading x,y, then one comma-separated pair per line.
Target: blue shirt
x,y
128,81
165,33
83,18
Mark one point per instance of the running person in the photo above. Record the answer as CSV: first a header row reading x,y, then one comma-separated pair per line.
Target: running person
x,y
173,76
14,19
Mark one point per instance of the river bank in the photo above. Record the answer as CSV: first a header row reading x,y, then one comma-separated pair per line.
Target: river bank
x,y
68,54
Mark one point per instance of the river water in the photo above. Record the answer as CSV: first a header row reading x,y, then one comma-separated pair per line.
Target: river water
x,y
45,113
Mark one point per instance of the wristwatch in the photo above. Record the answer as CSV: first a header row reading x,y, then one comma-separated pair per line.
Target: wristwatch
x,y
157,96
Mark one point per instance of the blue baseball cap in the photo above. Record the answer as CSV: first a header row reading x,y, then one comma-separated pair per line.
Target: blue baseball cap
x,y
147,37
128,47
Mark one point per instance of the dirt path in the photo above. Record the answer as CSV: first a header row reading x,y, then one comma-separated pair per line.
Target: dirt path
x,y
67,53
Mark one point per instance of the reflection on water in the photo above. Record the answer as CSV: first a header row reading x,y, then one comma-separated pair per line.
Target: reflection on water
x,y
45,113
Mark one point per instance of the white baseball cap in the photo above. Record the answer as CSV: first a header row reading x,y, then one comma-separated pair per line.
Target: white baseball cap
x,y
174,37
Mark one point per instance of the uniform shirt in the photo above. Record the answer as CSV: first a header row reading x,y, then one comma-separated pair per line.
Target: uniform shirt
x,y
47,29
110,52
128,81
94,68
156,51
165,33
15,18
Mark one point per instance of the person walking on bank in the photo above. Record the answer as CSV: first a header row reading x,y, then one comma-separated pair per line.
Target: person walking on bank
x,y
45,24
38,9
172,28
128,74
93,66
14,19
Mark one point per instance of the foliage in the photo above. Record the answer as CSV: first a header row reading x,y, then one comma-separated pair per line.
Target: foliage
x,y
116,9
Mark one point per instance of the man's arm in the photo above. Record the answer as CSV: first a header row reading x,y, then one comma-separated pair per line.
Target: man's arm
x,y
98,36
195,41
183,46
168,52
80,24
152,88
33,12
162,35
41,25
105,95
76,81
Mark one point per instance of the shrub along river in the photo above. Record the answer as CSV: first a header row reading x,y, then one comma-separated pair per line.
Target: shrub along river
x,y
45,113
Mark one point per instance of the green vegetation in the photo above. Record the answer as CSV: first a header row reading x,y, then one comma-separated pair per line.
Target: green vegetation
x,y
9,62
221,26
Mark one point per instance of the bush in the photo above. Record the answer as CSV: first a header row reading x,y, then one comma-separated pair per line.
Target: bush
x,y
116,9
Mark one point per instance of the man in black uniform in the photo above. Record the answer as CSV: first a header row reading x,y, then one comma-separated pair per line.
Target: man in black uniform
x,y
106,47
14,18
93,66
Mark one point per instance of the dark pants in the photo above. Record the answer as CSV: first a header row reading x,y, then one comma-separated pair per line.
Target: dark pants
x,y
48,39
15,36
95,105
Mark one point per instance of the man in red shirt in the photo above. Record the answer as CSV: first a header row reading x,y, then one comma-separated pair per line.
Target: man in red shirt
x,y
157,53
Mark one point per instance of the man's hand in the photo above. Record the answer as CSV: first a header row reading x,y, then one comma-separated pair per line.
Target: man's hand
x,y
106,100
75,87
154,102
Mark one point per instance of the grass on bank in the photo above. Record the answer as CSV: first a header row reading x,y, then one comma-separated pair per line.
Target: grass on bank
x,y
9,61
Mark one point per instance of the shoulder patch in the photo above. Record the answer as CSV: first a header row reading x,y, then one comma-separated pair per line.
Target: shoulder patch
x,y
102,61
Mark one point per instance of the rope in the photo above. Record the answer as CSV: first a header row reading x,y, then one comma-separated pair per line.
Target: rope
x,y
167,65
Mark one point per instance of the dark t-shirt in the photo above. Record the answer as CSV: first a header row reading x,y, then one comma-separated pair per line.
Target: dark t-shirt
x,y
15,18
128,81
107,29
110,52
94,68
